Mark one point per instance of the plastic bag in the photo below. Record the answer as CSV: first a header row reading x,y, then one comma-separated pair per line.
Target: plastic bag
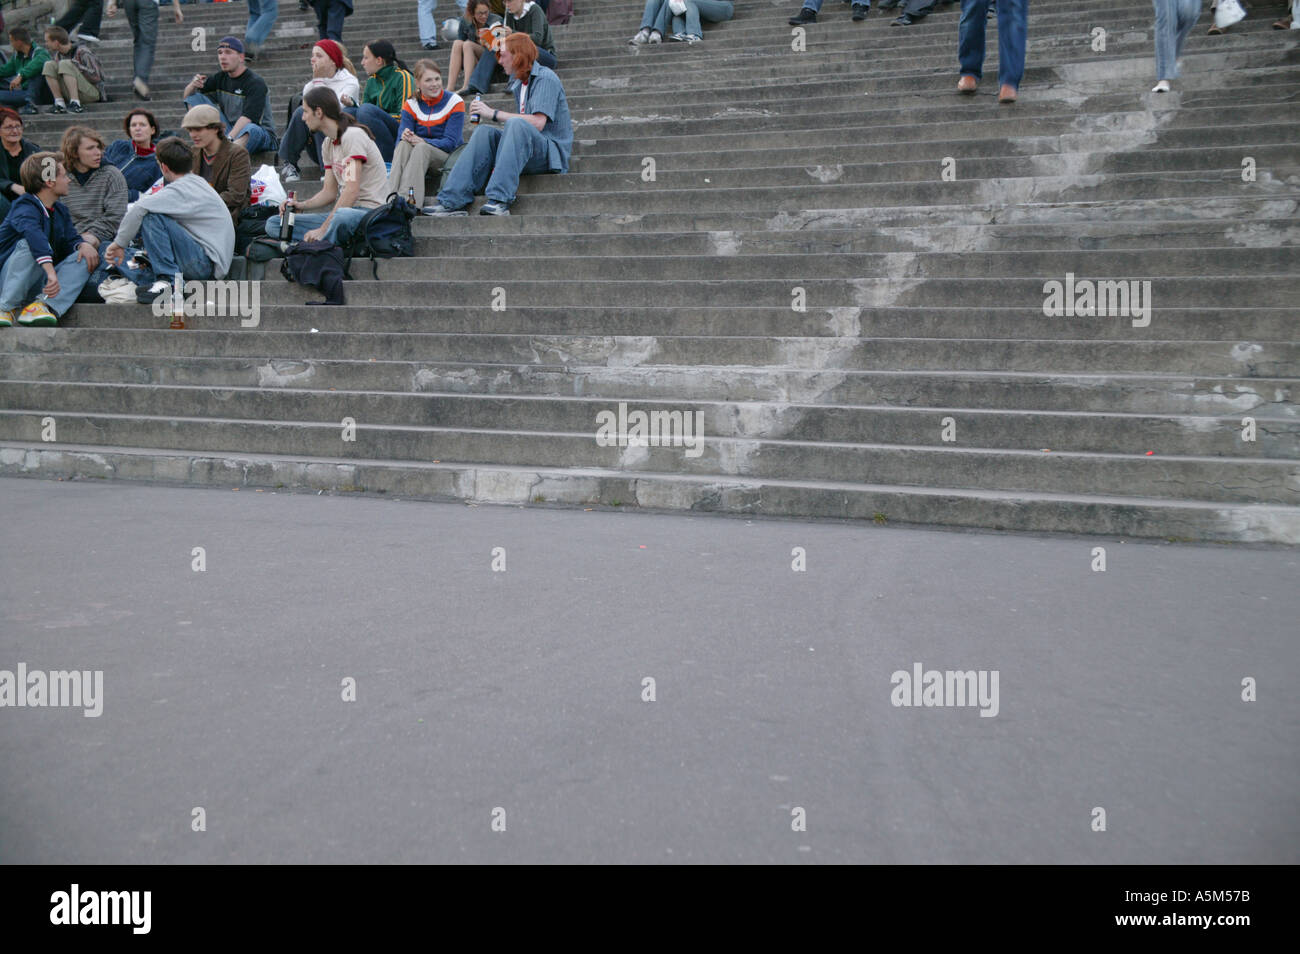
x,y
264,188
678,7
1227,13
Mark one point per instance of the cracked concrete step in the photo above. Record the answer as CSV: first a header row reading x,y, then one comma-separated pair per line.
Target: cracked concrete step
x,y
1125,516
1274,435
1116,393
1181,477
1143,235
1195,323
1163,267
404,282
1220,359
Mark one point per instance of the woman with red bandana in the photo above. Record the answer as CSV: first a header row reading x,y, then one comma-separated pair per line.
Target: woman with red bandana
x,y
330,67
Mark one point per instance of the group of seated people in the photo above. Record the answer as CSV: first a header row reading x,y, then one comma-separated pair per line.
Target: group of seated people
x,y
118,222
682,20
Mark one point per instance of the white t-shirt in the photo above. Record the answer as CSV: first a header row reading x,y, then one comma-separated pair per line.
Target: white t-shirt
x,y
356,144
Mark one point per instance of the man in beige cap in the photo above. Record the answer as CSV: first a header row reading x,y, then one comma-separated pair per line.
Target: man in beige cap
x,y
224,165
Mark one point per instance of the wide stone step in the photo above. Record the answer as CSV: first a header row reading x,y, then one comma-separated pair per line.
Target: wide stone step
x,y
1124,516
1117,393
1217,358
1193,324
1269,437
1183,477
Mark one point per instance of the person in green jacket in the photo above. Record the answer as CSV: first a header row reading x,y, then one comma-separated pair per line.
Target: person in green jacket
x,y
522,16
20,76
389,86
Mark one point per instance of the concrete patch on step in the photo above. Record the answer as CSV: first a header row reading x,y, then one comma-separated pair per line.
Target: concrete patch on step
x,y
1070,164
957,239
1259,524
616,120
631,351
634,457
690,495
755,419
610,82
1246,399
825,174
504,486
845,322
734,456
283,374
733,112
1246,352
1262,236
725,244
882,293
1200,425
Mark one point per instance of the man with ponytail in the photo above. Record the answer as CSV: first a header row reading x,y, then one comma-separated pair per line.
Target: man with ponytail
x,y
538,138
355,177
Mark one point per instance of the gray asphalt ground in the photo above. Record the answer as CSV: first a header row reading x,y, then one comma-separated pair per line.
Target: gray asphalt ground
x,y
522,689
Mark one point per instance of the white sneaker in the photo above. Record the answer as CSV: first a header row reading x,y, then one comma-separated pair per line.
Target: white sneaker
x,y
642,37
1161,87
656,37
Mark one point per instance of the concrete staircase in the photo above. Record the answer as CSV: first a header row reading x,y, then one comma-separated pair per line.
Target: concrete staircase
x,y
920,383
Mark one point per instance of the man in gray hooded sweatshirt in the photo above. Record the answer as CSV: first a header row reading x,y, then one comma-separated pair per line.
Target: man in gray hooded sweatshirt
x,y
185,227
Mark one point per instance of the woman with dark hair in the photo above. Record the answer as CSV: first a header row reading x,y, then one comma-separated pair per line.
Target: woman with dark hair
x,y
136,154
354,182
389,86
14,148
522,16
466,50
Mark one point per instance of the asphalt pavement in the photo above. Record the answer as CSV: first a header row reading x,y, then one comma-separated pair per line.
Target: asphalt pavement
x,y
502,712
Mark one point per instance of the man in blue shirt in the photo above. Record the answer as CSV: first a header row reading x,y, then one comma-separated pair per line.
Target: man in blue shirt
x,y
536,139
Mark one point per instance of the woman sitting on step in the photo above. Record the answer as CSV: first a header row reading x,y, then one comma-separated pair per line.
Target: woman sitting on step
x,y
330,67
389,86
466,50
522,16
136,155
14,148
431,127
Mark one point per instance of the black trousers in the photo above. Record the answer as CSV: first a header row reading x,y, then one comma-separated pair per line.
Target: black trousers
x,y
329,19
89,13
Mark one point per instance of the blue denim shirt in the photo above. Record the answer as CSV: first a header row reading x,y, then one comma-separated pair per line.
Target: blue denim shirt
x,y
546,96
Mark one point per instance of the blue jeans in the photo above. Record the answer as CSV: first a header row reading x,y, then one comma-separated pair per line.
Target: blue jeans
x,y
25,93
657,15
482,78
1174,21
329,19
382,125
170,249
493,162
21,280
428,25
143,17
259,140
341,228
1013,28
710,11
261,17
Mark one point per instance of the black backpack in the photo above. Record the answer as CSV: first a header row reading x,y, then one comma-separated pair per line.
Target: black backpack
x,y
383,232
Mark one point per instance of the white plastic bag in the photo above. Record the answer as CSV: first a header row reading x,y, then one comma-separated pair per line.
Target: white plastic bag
x,y
451,30
1295,14
264,188
1227,13
678,7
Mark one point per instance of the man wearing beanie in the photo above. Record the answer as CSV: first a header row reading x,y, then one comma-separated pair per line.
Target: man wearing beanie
x,y
236,92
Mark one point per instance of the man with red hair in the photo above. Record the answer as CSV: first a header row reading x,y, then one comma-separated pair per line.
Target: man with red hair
x,y
538,138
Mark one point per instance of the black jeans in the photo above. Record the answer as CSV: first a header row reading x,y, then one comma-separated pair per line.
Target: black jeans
x,y
89,13
298,137
329,19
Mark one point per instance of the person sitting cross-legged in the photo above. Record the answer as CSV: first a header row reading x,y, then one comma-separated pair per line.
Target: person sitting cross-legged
x,y
35,235
355,181
537,139
184,227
